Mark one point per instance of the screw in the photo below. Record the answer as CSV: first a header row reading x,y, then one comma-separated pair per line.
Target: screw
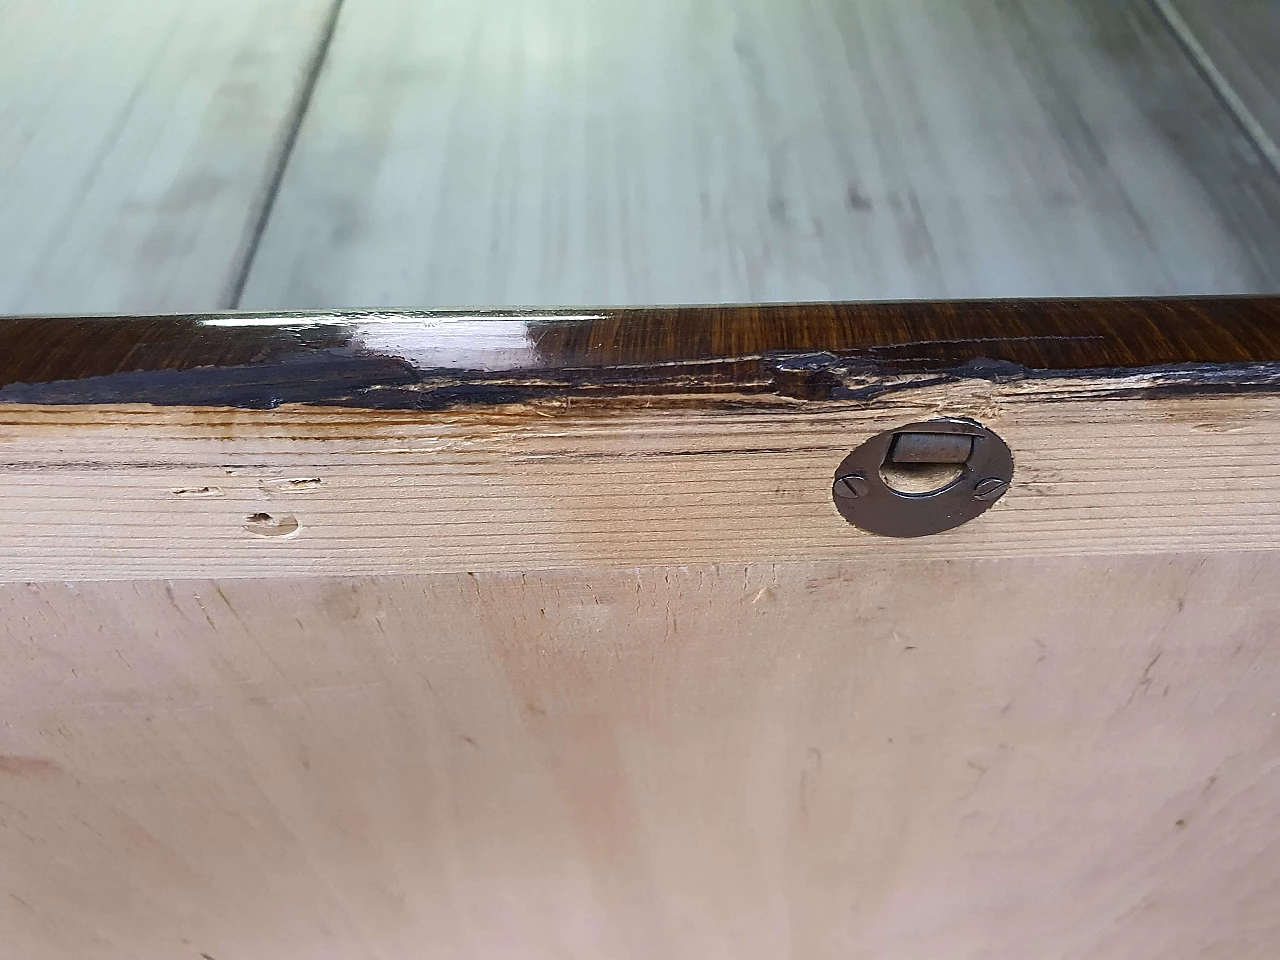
x,y
851,487
990,488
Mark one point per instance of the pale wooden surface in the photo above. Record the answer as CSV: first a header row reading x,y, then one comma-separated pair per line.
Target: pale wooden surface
x,y
1241,39
116,493
568,152
137,140
571,152
1055,759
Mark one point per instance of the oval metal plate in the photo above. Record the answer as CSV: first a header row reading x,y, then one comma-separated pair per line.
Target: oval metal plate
x,y
866,501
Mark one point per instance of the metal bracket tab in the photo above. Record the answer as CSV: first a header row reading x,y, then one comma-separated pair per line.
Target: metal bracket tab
x,y
866,500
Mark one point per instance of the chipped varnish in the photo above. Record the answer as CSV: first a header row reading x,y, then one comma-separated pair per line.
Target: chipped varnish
x,y
805,351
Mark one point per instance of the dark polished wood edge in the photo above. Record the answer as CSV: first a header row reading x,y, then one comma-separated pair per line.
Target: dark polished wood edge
x,y
443,359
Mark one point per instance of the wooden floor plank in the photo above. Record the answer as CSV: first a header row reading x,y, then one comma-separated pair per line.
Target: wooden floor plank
x,y
1239,42
570,152
137,139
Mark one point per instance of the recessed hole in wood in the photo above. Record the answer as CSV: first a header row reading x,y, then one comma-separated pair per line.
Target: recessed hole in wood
x,y
923,463
265,525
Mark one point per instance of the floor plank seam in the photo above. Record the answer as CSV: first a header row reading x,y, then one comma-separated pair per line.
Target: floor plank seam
x,y
1216,79
293,128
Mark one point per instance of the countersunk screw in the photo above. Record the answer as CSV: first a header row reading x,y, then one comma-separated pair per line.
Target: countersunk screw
x,y
851,487
990,488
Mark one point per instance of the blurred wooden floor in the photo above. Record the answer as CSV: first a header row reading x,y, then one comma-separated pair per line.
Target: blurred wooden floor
x,y
271,154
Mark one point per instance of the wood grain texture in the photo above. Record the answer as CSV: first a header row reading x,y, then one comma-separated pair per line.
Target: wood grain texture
x,y
137,141
1239,40
571,152
1055,758
440,360
392,443
98,492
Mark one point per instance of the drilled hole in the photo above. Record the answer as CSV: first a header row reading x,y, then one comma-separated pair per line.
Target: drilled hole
x,y
924,463
918,478
265,525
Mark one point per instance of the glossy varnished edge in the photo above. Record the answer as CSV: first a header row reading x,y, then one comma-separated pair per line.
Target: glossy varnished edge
x,y
438,360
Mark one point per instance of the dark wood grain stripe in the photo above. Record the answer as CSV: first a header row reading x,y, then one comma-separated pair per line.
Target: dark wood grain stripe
x,y
432,360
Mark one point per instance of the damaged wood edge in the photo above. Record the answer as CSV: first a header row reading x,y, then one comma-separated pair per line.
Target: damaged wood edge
x,y
444,391
806,352
142,492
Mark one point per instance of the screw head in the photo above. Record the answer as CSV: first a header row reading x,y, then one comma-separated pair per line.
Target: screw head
x,y
851,487
989,488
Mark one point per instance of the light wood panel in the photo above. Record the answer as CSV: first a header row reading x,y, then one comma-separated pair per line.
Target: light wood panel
x,y
544,638
1237,42
1053,758
98,492
138,139
572,152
